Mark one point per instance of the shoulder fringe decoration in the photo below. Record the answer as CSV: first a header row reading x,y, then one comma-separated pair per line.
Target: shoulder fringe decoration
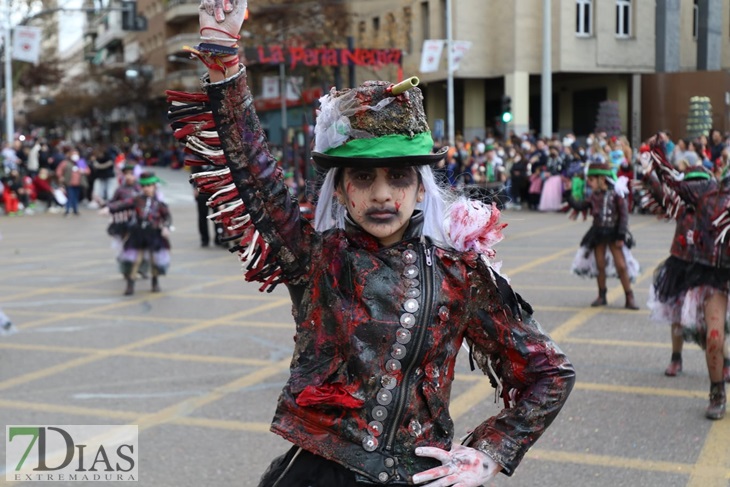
x,y
670,202
473,225
191,119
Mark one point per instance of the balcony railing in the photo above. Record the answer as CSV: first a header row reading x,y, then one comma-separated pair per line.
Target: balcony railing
x,y
179,11
174,45
184,79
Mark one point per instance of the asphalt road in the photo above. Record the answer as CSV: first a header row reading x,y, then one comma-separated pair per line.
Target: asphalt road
x,y
199,366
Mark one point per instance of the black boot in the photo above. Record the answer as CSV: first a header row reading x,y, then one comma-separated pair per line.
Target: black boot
x,y
155,285
630,303
130,287
716,409
601,299
675,365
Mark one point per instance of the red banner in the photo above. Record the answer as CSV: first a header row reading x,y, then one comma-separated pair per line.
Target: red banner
x,y
295,56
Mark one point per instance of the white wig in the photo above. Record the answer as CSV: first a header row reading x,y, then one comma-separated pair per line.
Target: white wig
x,y
331,214
450,220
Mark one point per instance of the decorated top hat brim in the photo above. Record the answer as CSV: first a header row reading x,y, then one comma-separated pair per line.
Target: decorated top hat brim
x,y
326,161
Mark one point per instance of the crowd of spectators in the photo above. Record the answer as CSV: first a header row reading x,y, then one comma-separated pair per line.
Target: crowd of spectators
x,y
56,177
540,174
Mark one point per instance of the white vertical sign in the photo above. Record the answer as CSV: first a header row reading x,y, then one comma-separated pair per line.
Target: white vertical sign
x,y
431,55
458,51
270,87
27,43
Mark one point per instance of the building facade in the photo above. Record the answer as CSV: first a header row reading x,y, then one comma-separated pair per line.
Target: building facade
x,y
599,51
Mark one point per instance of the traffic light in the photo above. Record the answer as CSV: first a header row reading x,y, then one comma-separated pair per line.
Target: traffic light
x,y
506,109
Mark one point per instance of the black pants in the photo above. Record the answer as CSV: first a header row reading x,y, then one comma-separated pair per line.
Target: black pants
x,y
300,468
203,224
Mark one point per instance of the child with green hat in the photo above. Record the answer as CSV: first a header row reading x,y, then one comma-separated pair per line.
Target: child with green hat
x,y
387,283
609,232
146,242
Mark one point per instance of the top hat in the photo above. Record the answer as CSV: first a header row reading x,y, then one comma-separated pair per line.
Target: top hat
x,y
377,124
601,169
148,178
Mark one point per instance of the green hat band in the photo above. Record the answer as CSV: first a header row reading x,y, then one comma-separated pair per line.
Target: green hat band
x,y
696,175
385,146
602,172
148,181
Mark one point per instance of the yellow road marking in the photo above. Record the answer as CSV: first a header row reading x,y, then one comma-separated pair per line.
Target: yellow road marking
x,y
608,461
647,391
66,409
536,262
712,468
624,343
184,408
29,377
119,304
476,394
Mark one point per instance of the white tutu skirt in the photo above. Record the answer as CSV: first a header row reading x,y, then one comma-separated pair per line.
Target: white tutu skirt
x,y
584,263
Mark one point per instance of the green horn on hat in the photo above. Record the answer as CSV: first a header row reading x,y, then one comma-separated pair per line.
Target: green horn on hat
x,y
404,85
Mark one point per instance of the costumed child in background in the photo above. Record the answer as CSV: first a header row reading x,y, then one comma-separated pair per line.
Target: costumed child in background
x,y
610,231
122,219
148,233
386,284
705,304
674,277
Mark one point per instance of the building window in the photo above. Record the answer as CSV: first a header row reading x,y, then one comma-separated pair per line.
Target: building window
x,y
695,20
623,18
425,21
583,17
376,26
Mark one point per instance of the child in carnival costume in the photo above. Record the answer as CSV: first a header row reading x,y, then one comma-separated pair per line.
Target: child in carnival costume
x,y
673,278
705,304
387,283
610,231
148,233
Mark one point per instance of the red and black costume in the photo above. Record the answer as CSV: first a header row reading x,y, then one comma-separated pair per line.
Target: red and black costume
x,y
144,240
122,218
378,328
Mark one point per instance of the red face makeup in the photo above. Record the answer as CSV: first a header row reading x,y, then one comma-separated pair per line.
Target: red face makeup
x,y
381,200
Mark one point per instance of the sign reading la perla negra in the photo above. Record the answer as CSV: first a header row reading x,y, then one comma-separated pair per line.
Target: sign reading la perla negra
x,y
69,453
295,56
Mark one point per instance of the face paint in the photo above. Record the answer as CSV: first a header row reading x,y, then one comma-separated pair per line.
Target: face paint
x,y
381,200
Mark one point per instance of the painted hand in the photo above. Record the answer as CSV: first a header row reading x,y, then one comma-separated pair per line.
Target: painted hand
x,y
462,467
217,15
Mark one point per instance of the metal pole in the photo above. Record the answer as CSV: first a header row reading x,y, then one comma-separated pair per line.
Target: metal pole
x,y
449,76
284,123
546,93
9,116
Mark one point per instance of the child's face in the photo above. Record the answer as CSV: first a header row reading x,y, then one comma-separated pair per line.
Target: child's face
x,y
381,200
148,190
594,182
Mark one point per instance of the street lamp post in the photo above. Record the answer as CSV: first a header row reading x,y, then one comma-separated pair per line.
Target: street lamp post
x,y
9,115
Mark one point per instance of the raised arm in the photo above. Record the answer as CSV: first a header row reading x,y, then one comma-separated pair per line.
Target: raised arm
x,y
220,127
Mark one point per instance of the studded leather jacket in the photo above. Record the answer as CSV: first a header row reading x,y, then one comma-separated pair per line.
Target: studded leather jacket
x,y
378,328
711,246
711,199
683,243
609,211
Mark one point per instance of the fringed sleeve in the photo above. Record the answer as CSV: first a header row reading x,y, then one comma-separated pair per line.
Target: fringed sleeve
x,y
220,127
